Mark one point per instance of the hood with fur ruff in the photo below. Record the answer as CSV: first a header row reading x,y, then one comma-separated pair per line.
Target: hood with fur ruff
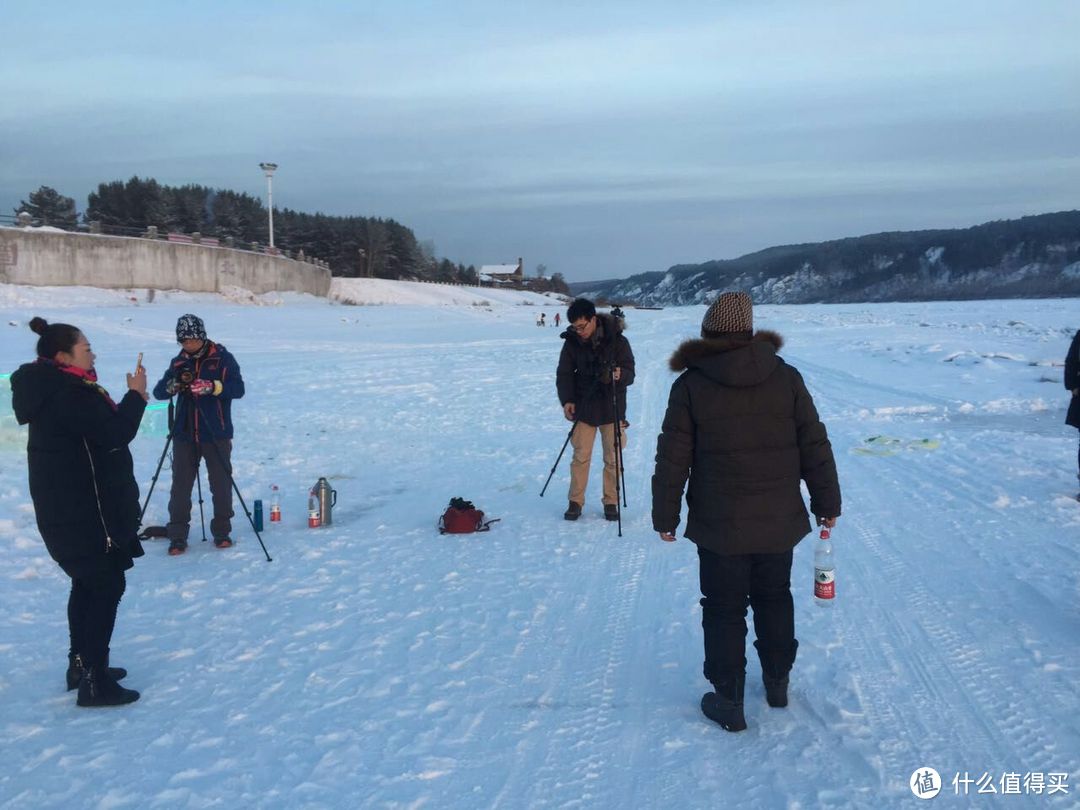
x,y
732,361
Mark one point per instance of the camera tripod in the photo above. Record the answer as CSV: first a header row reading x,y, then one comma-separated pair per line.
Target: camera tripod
x,y
227,467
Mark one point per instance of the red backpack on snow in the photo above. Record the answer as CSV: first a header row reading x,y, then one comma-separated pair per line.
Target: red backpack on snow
x,y
461,517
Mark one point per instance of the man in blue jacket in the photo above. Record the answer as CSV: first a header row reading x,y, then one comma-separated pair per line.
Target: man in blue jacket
x,y
205,378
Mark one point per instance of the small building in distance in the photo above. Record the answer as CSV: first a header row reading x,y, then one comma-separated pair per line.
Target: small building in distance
x,y
503,275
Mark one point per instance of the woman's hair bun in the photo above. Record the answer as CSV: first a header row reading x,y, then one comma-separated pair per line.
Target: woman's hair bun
x,y
39,325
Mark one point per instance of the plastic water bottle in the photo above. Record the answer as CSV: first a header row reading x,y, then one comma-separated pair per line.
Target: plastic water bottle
x,y
314,515
275,504
824,569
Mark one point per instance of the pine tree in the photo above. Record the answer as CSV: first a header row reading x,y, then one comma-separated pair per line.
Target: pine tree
x,y
49,207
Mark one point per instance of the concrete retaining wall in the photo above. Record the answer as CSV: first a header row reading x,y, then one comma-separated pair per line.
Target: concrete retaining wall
x,y
46,257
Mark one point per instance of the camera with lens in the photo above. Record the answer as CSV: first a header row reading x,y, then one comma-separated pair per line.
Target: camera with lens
x,y
184,380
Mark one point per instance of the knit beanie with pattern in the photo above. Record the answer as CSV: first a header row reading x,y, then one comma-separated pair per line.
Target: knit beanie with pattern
x,y
190,327
731,312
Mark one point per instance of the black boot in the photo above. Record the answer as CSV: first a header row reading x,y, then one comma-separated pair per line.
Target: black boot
x,y
725,705
775,666
775,691
96,688
75,671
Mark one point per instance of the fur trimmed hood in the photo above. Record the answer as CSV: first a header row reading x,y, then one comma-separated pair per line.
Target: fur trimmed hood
x,y
733,361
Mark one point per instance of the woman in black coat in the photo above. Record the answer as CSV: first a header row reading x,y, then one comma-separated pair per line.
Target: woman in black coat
x,y
1072,383
85,496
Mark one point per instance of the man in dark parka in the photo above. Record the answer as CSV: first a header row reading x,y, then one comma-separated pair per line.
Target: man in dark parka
x,y
596,365
742,426
1072,384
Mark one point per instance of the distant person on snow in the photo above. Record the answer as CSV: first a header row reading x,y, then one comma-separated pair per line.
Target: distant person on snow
x,y
596,361
206,379
1072,383
543,322
84,491
742,426
557,318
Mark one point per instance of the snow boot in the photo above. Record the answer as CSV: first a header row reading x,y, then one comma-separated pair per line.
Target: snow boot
x,y
775,691
725,706
775,666
97,688
611,511
223,542
75,671
573,511
177,547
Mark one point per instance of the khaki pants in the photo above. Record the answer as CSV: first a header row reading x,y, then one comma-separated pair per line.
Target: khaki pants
x,y
582,440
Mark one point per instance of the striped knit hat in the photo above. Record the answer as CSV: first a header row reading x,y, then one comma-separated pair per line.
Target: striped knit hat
x,y
731,312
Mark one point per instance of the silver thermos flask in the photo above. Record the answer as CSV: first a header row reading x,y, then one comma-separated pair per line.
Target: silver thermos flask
x,y
327,496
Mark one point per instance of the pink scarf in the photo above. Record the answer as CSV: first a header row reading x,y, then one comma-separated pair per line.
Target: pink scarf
x,y
88,377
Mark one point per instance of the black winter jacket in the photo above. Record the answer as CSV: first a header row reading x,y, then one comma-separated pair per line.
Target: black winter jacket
x,y
211,417
584,373
1072,381
81,476
741,424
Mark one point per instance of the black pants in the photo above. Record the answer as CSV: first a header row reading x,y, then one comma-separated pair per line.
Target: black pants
x,y
728,585
185,466
92,614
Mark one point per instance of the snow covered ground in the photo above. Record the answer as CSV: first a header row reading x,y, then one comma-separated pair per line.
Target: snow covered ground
x,y
547,664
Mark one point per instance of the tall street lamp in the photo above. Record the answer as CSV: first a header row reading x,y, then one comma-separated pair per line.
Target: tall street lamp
x,y
268,170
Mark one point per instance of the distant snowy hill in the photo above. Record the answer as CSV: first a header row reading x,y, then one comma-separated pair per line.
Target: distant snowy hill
x,y
1032,257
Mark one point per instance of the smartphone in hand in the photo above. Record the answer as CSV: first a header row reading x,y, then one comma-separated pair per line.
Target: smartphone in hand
x,y
138,363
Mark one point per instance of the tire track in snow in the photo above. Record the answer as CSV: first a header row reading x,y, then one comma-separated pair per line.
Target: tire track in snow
x,y
976,706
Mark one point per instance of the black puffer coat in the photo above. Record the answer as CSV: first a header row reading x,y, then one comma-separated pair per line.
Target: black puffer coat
x,y
1072,381
81,477
584,377
741,424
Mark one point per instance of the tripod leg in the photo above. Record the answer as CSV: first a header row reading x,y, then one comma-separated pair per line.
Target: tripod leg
x,y
198,483
228,470
622,469
556,464
617,430
153,481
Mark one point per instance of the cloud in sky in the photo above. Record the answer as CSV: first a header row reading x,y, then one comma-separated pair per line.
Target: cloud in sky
x,y
601,138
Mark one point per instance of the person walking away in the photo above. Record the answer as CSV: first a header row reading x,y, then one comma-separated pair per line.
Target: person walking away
x,y
557,319
742,427
1072,384
595,358
85,496
206,379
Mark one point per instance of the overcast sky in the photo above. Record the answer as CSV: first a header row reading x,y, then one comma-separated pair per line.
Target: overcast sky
x,y
600,138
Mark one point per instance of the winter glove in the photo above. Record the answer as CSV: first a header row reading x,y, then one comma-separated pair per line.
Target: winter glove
x,y
200,387
171,387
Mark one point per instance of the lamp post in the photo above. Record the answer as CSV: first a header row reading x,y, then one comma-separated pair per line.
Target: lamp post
x,y
268,170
